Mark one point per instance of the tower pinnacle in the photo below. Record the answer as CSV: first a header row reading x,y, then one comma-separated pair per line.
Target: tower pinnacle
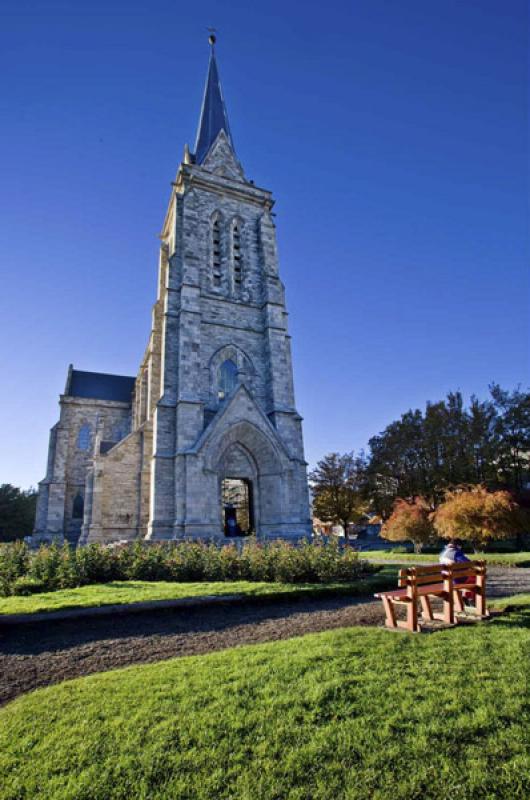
x,y
213,117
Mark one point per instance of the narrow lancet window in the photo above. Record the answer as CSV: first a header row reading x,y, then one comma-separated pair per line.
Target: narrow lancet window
x,y
227,378
78,507
236,253
216,253
83,437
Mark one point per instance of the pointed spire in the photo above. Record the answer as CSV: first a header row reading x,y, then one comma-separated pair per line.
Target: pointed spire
x,y
213,112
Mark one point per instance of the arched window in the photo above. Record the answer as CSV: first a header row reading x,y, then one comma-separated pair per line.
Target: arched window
x,y
83,437
227,378
78,507
237,262
216,252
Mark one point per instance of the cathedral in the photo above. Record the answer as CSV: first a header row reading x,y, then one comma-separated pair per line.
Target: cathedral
x,y
205,441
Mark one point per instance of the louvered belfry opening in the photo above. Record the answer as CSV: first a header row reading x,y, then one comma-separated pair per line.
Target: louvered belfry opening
x,y
216,252
236,253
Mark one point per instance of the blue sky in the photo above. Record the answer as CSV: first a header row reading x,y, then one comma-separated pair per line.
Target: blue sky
x,y
393,135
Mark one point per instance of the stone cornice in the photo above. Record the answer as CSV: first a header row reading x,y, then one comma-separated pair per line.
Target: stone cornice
x,y
191,176
92,401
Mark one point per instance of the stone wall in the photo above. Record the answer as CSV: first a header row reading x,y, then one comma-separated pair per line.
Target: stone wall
x,y
119,503
83,426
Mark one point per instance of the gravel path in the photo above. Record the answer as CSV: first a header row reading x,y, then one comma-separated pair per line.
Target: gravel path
x,y
503,582
32,656
35,655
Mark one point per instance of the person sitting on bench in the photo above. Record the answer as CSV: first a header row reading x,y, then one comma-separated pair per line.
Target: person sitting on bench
x,y
453,553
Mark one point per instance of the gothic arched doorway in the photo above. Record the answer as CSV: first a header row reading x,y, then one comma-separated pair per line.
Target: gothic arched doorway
x,y
237,506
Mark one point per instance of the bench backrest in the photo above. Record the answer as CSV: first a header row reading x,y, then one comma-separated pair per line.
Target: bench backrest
x,y
438,573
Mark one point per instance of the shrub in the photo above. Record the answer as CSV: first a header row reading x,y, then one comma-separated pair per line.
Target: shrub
x,y
51,568
26,585
14,563
97,564
149,563
45,566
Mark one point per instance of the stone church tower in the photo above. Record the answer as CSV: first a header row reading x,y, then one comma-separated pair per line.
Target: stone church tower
x,y
206,440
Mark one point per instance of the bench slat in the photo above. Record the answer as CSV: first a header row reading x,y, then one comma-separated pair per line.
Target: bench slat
x,y
435,577
425,570
429,588
465,573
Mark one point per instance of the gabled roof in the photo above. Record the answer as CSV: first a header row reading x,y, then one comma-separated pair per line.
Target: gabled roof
x,y
99,386
213,113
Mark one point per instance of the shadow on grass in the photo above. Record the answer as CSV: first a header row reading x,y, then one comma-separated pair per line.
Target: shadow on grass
x,y
511,616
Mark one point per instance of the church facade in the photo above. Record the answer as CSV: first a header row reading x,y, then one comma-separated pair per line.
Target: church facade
x,y
205,441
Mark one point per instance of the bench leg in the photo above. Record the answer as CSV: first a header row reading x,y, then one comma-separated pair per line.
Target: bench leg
x,y
459,603
449,609
426,608
480,599
390,621
412,616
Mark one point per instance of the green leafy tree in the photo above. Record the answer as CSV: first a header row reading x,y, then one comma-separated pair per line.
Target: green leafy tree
x,y
398,453
425,453
513,435
484,440
339,489
17,512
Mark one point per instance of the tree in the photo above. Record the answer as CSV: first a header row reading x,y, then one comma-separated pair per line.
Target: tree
x,y
484,441
339,489
17,512
425,453
513,431
410,521
474,514
398,453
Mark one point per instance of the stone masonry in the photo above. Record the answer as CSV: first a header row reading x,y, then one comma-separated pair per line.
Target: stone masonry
x,y
213,399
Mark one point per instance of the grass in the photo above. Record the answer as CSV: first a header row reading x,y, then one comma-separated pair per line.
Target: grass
x,y
354,714
121,592
495,559
514,603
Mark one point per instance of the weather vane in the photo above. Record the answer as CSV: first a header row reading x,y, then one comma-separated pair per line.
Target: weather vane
x,y
212,38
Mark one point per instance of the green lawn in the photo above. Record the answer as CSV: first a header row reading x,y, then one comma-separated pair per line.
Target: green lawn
x,y
516,602
495,559
355,714
120,592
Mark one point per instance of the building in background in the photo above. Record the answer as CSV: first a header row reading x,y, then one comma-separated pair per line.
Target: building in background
x,y
206,440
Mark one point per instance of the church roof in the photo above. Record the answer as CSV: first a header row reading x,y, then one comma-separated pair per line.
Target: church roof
x,y
213,117
100,386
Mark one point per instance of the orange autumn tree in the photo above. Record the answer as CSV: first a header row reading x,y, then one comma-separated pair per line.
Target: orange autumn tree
x,y
410,521
472,513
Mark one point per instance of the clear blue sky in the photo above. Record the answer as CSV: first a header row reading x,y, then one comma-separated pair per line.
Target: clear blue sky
x,y
391,133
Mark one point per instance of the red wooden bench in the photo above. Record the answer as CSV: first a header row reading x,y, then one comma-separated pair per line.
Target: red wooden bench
x,y
448,582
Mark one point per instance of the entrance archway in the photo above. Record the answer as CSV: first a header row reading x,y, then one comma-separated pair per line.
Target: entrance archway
x,y
237,506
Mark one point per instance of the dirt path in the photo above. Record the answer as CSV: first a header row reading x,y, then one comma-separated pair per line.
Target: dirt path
x,y
32,656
